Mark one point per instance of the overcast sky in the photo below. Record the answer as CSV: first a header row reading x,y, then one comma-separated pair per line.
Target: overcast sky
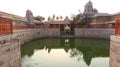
x,y
58,7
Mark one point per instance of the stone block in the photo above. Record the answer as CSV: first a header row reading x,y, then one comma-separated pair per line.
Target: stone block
x,y
115,51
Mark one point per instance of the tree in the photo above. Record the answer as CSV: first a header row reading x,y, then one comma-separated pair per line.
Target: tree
x,y
39,18
82,19
53,17
77,19
49,18
57,17
87,19
61,17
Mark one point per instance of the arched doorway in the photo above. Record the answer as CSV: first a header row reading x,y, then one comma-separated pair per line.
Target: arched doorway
x,y
67,29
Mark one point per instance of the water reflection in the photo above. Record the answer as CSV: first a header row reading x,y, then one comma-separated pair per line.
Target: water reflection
x,y
78,49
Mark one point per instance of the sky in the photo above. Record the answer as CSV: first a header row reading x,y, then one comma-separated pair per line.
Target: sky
x,y
58,7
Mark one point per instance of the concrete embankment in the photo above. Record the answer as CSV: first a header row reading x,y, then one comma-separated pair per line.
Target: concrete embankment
x,y
94,33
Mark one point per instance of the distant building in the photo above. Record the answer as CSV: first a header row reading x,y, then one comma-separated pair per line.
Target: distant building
x,y
88,13
17,20
101,18
115,16
89,10
105,18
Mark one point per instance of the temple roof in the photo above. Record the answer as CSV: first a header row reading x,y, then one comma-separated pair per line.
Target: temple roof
x,y
89,4
101,14
117,13
12,16
15,17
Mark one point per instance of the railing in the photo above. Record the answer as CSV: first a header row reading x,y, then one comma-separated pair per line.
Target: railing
x,y
117,27
18,27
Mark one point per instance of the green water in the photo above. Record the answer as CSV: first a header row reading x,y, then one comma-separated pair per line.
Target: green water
x,y
65,52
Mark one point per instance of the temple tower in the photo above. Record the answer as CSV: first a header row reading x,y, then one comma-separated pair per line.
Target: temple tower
x,y
88,10
29,16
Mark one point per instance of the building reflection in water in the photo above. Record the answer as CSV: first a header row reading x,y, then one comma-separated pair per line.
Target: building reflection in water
x,y
80,49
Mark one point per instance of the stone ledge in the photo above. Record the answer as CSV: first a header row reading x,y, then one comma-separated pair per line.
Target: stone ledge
x,y
115,38
114,51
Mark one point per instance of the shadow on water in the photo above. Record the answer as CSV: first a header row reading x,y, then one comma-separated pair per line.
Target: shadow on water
x,y
88,48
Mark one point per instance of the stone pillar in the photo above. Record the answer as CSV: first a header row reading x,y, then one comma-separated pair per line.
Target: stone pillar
x,y
115,51
10,55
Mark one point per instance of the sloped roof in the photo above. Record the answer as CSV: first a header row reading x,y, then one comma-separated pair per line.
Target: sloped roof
x,y
12,16
101,14
59,22
117,13
89,4
15,17
110,22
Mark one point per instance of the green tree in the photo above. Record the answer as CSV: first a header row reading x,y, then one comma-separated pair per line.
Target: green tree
x,y
39,18
87,19
49,18
61,17
57,17
53,17
82,19
77,19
